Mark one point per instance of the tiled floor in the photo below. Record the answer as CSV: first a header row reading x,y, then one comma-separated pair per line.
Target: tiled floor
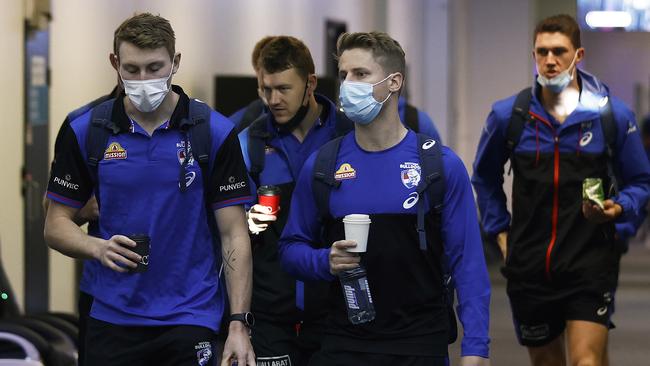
x,y
629,342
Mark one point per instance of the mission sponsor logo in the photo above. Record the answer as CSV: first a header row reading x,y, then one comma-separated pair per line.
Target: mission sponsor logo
x,y
114,151
345,171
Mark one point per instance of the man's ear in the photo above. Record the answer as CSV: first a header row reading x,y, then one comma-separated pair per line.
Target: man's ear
x,y
580,54
312,82
113,59
396,82
176,62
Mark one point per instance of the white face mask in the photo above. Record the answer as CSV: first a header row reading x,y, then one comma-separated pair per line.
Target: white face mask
x,y
147,95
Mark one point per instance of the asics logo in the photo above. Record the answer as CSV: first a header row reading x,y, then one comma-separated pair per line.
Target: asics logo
x,y
586,139
601,311
428,144
411,200
189,178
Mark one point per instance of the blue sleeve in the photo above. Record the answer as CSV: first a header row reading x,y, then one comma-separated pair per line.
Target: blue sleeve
x,y
427,127
464,250
634,172
296,248
491,156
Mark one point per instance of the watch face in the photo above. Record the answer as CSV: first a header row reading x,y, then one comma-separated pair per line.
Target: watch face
x,y
250,319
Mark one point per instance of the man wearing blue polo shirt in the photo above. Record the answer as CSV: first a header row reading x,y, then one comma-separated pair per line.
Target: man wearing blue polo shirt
x,y
411,323
149,183
289,313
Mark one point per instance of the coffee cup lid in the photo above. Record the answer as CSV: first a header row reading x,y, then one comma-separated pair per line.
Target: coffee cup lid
x,y
356,218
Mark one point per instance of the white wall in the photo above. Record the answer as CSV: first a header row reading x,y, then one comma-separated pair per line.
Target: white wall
x,y
421,27
491,59
620,60
11,143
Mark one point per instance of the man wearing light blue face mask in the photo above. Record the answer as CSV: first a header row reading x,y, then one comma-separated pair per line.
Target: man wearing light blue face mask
x,y
157,295
378,171
561,250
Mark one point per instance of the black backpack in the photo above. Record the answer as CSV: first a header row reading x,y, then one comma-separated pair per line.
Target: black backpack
x,y
432,184
520,117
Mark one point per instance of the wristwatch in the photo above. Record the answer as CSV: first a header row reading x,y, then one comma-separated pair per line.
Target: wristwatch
x,y
247,318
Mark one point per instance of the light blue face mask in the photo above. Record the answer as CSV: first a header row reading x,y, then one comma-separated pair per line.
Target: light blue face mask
x,y
558,83
358,103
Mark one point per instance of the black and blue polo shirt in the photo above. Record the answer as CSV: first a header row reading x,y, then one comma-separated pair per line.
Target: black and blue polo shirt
x,y
139,193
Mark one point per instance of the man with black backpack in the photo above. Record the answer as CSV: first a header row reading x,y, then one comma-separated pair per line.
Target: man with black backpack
x,y
289,313
562,249
166,171
423,219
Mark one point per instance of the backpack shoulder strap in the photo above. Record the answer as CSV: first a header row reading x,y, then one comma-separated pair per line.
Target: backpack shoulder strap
x,y
99,130
324,170
412,118
610,132
343,124
432,182
83,109
257,138
518,119
200,136
253,111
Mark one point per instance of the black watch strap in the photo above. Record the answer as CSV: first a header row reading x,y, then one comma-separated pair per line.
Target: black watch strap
x,y
247,318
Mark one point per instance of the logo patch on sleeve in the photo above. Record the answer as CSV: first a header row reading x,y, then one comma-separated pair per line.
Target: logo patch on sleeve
x,y
345,171
114,151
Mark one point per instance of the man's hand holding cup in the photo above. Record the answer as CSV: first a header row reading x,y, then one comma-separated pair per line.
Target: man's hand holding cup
x,y
344,254
265,211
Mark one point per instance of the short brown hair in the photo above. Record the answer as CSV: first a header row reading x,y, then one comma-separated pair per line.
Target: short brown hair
x,y
561,23
258,49
146,31
387,52
284,52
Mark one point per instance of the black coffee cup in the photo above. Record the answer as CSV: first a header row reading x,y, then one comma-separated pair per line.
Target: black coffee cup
x,y
142,247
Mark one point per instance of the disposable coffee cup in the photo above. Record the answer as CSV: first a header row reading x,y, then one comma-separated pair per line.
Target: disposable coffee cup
x,y
356,228
142,247
269,196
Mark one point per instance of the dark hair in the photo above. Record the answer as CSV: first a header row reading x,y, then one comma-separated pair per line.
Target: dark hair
x,y
387,52
258,49
561,23
146,31
284,52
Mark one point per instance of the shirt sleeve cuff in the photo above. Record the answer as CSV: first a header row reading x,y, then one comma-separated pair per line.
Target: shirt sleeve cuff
x,y
232,202
475,346
324,264
64,200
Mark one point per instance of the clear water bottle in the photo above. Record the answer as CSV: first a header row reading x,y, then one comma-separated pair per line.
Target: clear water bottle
x,y
357,295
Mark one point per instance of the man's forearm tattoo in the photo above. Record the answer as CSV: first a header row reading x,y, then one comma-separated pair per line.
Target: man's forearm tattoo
x,y
229,260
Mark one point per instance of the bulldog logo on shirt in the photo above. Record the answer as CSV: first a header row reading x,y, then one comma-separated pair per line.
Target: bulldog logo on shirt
x,y
114,151
180,154
410,174
345,171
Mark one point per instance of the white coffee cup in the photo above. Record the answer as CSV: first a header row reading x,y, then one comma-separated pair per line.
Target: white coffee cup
x,y
356,229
